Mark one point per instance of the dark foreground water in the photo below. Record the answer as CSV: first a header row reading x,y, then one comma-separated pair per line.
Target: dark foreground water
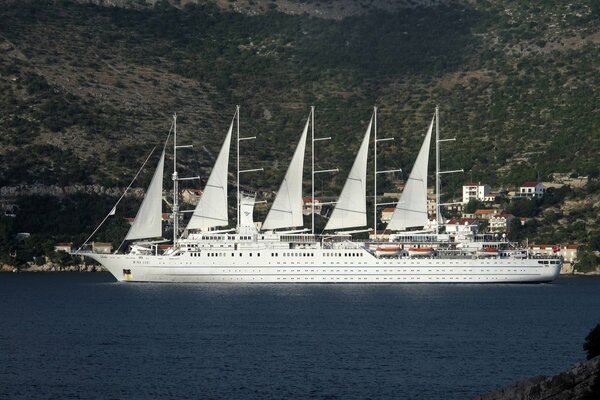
x,y
83,336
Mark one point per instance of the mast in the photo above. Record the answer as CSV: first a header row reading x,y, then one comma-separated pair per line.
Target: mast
x,y
438,205
437,169
312,155
312,162
376,172
175,183
239,139
237,118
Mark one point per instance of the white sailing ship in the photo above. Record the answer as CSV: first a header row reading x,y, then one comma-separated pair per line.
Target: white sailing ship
x,y
283,251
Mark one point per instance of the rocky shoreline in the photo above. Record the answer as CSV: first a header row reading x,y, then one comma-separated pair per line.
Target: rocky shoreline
x,y
580,382
53,267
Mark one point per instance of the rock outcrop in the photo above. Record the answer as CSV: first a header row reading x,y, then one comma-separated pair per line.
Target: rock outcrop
x,y
580,382
53,267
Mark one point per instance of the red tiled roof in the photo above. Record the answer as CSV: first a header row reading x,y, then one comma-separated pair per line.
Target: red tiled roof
x,y
550,246
529,184
507,216
484,212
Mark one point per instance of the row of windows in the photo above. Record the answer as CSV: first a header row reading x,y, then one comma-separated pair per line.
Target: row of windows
x,y
284,254
222,254
224,237
344,254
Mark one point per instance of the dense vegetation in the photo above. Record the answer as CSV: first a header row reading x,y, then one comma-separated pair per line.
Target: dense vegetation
x,y
87,91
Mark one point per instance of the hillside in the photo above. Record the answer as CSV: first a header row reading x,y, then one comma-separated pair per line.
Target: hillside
x,y
88,88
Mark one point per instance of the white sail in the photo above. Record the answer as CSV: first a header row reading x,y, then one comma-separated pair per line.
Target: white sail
x,y
211,210
411,210
351,208
148,220
286,211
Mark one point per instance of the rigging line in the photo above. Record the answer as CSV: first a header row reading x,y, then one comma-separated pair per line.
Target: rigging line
x,y
118,201
123,195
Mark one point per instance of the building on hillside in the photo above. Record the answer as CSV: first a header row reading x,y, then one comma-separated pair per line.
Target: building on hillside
x,y
567,251
476,191
485,213
102,247
191,196
386,214
66,247
307,209
531,189
500,222
454,207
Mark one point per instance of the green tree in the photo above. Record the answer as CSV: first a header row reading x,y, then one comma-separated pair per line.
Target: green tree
x,y
473,205
522,207
586,261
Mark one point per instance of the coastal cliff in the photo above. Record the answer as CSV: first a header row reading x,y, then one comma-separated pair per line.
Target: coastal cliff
x,y
580,382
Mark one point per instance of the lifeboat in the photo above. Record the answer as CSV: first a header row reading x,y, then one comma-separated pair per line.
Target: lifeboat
x,y
488,252
390,251
420,251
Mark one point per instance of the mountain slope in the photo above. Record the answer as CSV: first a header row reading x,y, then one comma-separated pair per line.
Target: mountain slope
x,y
86,90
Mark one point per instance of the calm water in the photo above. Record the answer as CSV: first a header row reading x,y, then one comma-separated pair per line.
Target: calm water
x,y
83,336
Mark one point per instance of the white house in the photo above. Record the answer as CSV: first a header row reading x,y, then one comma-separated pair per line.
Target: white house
x,y
191,196
66,247
482,214
567,251
386,214
102,247
532,189
476,191
307,210
500,222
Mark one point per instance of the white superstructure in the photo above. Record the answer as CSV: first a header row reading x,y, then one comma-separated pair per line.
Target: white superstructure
x,y
245,254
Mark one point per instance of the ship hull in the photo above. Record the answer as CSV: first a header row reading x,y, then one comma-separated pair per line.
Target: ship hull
x,y
183,268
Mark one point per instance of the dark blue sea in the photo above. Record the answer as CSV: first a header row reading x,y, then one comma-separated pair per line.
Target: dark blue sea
x,y
84,336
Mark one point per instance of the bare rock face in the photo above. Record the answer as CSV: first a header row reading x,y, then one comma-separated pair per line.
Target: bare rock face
x,y
580,382
6,268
